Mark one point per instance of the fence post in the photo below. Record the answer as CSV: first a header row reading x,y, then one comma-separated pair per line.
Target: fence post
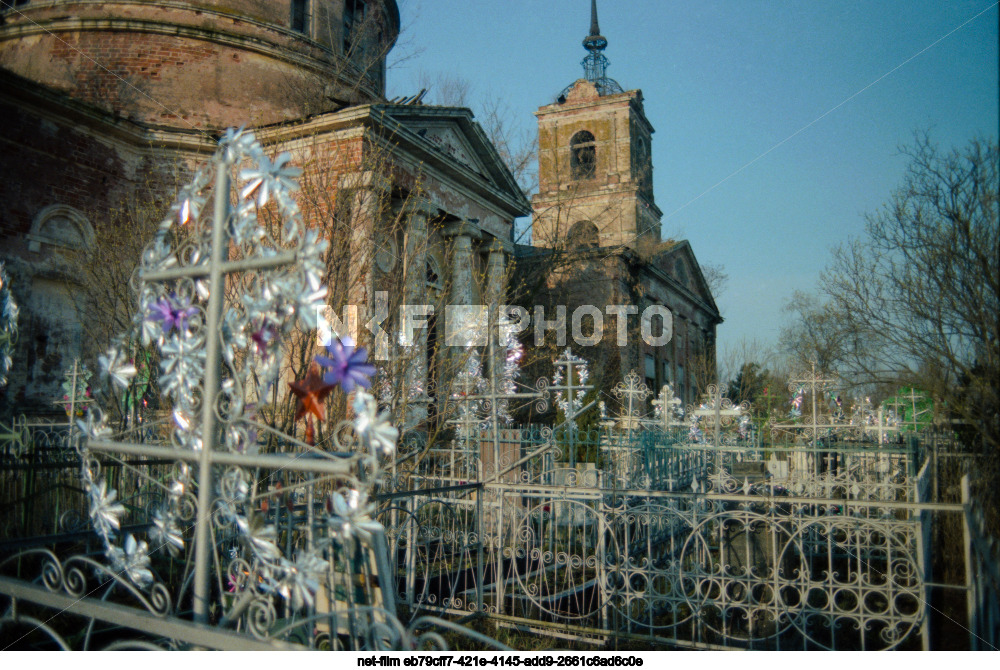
x,y
498,574
409,557
479,548
970,585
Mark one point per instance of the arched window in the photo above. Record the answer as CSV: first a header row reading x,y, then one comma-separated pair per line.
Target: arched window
x,y
583,155
583,235
60,226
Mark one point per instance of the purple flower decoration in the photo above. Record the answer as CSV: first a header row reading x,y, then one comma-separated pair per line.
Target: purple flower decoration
x,y
347,365
263,336
170,314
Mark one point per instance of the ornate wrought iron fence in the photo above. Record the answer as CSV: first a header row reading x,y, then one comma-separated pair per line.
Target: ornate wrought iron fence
x,y
802,548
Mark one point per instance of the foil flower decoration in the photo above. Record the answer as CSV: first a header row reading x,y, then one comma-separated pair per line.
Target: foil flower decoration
x,y
166,534
262,537
233,337
132,560
346,365
269,177
351,516
189,203
373,426
264,336
183,361
236,142
311,259
308,305
301,580
104,510
172,313
243,227
93,425
116,366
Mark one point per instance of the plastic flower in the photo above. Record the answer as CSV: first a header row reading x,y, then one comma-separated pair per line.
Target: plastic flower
x,y
172,313
347,365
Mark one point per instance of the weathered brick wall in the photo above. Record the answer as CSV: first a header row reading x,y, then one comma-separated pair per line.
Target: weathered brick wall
x,y
207,64
45,163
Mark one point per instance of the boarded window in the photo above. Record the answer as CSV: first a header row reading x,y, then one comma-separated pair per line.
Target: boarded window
x,y
300,16
650,371
583,235
355,12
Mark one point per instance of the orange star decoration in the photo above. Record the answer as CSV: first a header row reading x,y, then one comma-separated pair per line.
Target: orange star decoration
x,y
311,393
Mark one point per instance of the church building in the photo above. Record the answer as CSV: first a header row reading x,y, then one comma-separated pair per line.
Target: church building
x,y
104,103
596,219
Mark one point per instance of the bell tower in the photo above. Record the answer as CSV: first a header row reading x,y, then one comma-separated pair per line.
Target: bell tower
x,y
594,167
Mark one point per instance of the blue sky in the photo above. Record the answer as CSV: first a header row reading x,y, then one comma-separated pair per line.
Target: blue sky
x,y
777,122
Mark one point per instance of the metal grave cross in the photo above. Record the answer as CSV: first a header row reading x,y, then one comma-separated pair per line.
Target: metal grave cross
x,y
668,405
630,392
720,409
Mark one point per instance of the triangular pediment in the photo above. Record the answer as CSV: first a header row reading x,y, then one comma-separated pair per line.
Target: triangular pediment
x,y
681,265
453,134
447,139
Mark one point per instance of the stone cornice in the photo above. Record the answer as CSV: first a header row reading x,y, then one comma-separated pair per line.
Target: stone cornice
x,y
325,62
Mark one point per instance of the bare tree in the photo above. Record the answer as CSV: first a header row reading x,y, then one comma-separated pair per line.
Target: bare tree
x,y
916,299
816,334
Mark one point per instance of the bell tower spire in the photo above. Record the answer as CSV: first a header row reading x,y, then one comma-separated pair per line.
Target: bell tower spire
x,y
595,64
595,29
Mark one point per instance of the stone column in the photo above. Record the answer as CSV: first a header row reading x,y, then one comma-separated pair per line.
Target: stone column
x,y
461,292
414,352
461,270
367,190
496,270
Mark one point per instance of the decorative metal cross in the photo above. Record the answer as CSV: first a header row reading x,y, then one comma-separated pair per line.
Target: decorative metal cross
x,y
631,393
668,406
720,410
490,407
75,394
183,311
914,397
570,379
816,385
570,386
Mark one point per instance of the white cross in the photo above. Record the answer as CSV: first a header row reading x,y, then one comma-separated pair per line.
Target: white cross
x,y
668,405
